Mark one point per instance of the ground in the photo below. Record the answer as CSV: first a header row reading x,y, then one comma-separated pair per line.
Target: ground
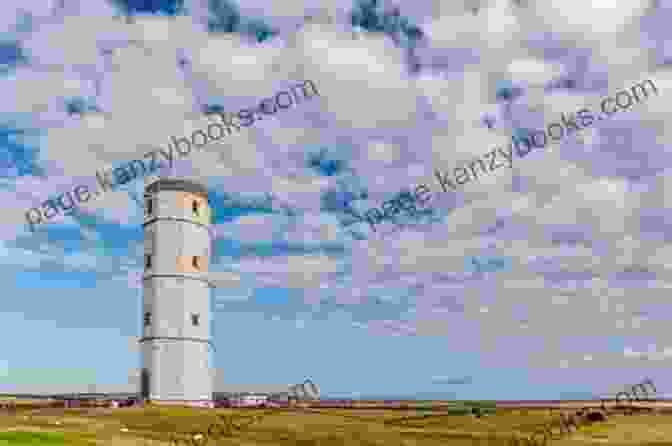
x,y
315,427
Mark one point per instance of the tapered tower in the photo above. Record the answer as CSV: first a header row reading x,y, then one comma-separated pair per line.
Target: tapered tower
x,y
176,340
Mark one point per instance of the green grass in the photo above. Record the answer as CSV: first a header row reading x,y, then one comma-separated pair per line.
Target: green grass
x,y
324,427
32,438
19,438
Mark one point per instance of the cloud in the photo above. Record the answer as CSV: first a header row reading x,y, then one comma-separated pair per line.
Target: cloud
x,y
586,19
225,279
366,67
583,224
449,380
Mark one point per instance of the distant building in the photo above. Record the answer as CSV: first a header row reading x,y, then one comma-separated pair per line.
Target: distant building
x,y
250,400
127,394
282,398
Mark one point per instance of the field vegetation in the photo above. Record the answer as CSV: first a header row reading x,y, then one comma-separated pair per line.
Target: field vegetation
x,y
425,424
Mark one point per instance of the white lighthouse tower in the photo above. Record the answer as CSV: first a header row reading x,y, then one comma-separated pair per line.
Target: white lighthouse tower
x,y
176,340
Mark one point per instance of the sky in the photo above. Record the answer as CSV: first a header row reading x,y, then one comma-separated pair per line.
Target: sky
x,y
544,279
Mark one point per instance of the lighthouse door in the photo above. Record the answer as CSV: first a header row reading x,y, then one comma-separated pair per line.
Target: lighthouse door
x,y
144,384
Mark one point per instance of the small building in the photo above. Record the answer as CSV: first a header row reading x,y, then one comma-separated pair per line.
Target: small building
x,y
280,398
249,400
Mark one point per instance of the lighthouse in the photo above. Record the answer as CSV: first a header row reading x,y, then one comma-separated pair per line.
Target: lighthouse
x,y
176,344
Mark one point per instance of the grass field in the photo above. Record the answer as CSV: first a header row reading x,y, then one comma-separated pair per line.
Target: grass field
x,y
314,427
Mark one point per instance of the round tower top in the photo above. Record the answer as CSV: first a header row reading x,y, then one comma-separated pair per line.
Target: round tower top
x,y
158,184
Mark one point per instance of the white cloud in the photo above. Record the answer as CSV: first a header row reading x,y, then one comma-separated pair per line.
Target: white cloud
x,y
293,271
343,68
493,28
382,151
224,279
533,71
583,18
229,64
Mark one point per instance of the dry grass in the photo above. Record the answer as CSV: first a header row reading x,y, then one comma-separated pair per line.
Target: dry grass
x,y
315,427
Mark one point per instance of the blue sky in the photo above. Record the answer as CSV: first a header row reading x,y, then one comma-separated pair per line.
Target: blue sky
x,y
540,280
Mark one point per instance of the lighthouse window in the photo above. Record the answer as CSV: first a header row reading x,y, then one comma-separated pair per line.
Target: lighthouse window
x,y
148,261
194,319
194,207
148,206
194,262
148,319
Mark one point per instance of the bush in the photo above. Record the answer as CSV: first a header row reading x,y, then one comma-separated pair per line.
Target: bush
x,y
596,416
